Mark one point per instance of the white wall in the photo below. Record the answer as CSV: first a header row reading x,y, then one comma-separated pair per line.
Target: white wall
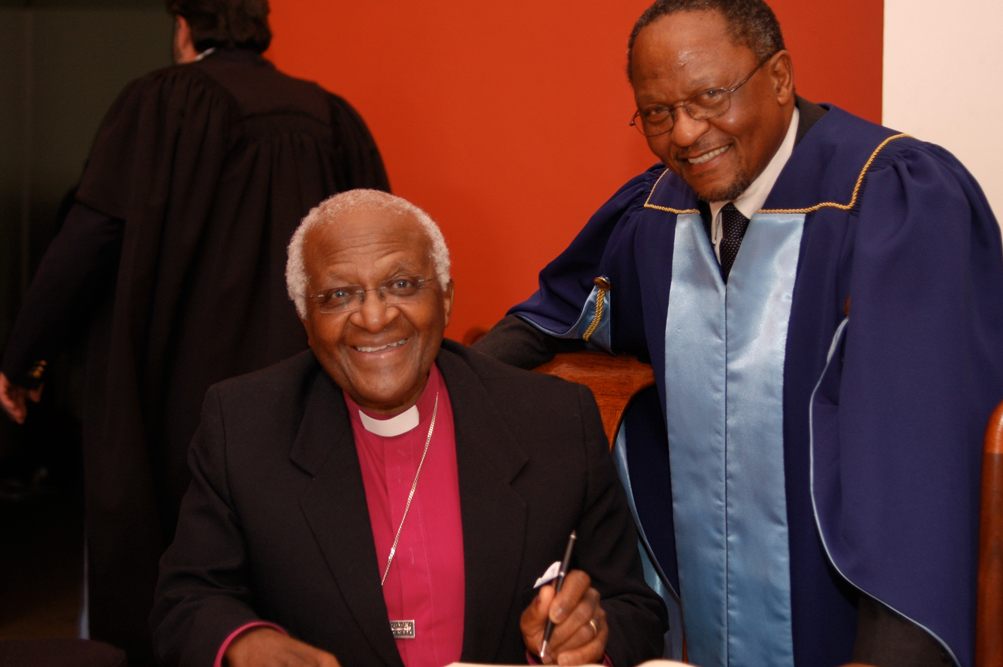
x,y
943,81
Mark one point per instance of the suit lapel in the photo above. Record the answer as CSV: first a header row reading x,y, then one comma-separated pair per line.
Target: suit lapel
x,y
336,509
493,514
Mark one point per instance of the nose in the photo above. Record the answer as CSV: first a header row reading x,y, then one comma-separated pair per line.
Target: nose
x,y
374,315
686,131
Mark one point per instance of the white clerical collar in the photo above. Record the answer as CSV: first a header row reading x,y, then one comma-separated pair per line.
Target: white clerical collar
x,y
205,53
755,195
394,426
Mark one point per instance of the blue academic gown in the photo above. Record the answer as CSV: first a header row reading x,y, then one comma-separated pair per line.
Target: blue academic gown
x,y
883,408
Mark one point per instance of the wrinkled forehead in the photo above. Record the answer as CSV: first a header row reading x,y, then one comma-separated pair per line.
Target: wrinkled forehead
x,y
367,244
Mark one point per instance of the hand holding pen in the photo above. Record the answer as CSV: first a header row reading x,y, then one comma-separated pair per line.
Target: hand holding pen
x,y
561,574
565,624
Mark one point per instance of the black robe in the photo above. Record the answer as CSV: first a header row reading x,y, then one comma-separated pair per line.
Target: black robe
x,y
174,257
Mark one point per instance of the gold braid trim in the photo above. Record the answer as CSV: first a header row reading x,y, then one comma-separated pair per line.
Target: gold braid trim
x,y
811,209
604,286
856,188
677,211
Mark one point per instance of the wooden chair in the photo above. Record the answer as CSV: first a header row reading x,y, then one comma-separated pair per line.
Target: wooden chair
x,y
989,614
613,381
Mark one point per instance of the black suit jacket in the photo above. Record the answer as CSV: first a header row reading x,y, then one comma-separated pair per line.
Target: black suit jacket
x,y
275,524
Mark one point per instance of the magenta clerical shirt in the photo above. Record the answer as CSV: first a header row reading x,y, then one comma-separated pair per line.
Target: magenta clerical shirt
x,y
425,583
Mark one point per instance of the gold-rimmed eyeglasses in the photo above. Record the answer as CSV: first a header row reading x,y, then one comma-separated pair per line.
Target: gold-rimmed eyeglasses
x,y
705,105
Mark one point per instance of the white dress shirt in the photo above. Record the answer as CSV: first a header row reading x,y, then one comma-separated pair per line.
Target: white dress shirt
x,y
755,195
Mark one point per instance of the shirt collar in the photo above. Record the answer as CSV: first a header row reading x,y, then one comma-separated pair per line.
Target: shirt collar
x,y
404,422
207,52
394,426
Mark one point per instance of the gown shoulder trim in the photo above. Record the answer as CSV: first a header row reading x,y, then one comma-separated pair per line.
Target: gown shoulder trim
x,y
677,211
856,188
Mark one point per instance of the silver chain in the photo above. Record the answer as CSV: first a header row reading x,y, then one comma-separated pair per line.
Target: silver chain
x,y
414,485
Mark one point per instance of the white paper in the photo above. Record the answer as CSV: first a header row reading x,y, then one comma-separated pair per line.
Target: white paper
x,y
549,575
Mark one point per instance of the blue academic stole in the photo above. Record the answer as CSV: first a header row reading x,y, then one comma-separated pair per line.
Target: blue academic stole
x,y
724,361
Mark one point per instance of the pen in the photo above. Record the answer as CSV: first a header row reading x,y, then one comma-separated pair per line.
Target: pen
x,y
563,572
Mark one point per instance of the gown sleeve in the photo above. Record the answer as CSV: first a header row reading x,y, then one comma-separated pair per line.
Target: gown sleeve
x,y
77,268
565,283
898,415
554,319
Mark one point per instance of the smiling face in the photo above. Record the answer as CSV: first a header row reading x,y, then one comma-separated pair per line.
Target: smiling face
x,y
379,354
688,52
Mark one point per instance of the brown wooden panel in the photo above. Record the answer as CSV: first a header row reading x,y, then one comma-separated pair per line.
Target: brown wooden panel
x,y
989,617
613,381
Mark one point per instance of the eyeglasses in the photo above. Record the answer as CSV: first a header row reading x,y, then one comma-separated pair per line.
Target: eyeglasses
x,y
702,106
349,298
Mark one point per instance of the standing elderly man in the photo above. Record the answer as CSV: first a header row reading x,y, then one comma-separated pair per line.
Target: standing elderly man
x,y
390,498
821,299
172,259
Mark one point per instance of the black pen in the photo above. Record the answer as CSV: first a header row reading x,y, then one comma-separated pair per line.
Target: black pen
x,y
563,572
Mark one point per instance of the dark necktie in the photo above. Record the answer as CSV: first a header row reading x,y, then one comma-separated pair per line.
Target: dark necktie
x,y
734,224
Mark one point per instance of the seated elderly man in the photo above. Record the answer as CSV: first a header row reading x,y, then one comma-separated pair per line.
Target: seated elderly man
x,y
390,498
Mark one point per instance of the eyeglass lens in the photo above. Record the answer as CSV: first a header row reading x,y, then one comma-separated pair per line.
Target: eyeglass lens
x,y
702,106
351,297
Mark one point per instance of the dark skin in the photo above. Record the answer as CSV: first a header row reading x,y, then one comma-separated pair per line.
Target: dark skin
x,y
573,641
381,355
12,399
686,53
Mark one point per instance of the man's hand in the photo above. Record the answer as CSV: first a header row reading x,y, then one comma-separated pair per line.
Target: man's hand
x,y
12,398
580,630
265,647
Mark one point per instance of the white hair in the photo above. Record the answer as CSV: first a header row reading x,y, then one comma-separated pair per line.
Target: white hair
x,y
329,210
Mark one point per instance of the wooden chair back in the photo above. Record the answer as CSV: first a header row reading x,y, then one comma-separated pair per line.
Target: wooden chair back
x,y
613,381
989,614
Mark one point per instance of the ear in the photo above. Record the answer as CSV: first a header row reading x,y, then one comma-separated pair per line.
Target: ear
x,y
782,76
447,301
184,47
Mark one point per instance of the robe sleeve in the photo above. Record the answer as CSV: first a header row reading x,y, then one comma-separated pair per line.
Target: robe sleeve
x,y
555,318
898,415
566,283
518,343
78,268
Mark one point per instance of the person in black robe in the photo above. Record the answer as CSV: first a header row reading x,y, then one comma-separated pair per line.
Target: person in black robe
x,y
172,260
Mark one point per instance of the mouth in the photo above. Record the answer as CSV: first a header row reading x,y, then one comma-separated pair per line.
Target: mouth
x,y
710,155
380,348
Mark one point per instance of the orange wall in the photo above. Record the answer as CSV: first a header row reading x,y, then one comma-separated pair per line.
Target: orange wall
x,y
507,120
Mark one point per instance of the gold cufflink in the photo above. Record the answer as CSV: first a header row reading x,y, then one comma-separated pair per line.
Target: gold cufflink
x,y
38,370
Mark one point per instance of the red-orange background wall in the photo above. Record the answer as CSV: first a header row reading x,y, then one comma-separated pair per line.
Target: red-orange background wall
x,y
507,121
